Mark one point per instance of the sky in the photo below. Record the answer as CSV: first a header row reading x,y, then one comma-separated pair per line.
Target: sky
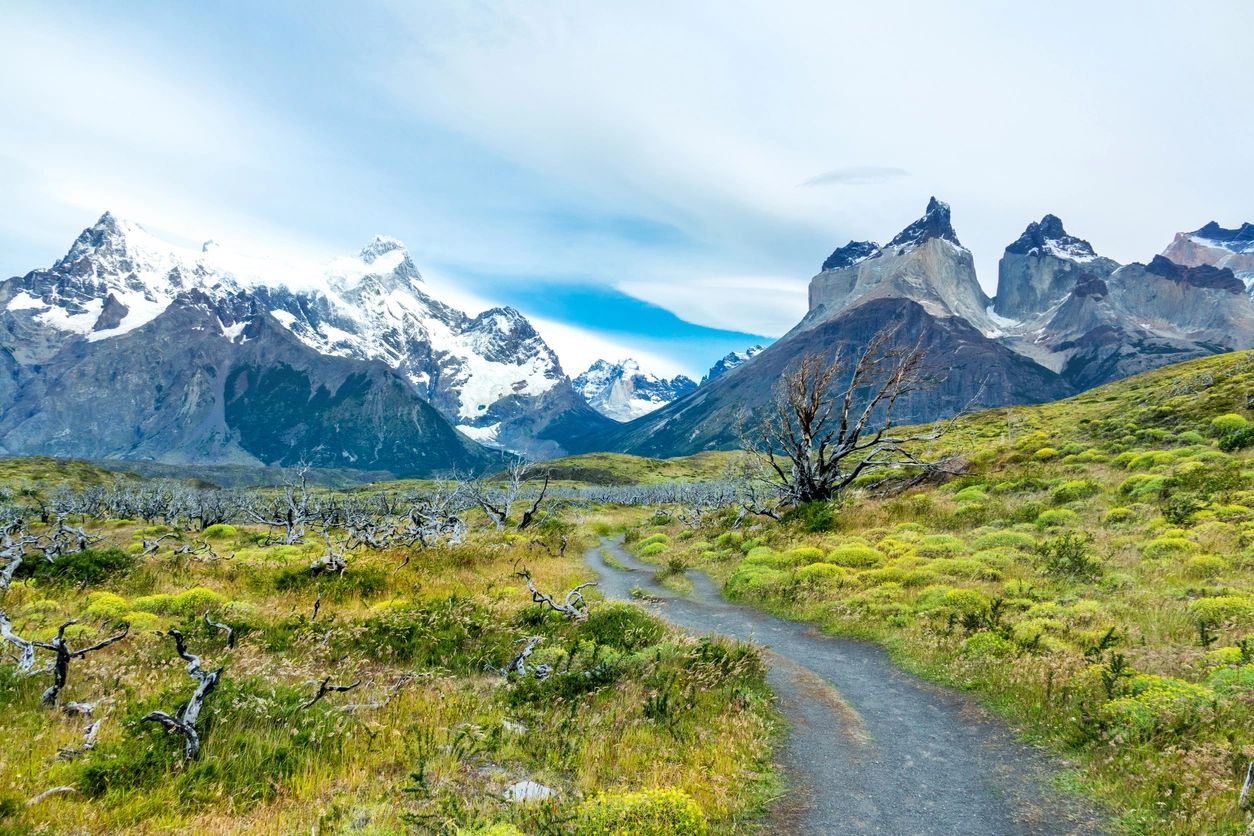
x,y
648,179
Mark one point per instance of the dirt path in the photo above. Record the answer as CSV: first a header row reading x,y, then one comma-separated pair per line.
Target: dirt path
x,y
872,749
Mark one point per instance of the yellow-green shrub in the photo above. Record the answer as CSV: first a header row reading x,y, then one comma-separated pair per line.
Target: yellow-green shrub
x,y
661,812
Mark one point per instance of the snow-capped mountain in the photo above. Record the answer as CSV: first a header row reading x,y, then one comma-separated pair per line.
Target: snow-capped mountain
x,y
1216,246
623,392
491,375
731,361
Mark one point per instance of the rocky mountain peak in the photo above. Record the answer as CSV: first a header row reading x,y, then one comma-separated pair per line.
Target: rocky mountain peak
x,y
623,391
935,223
1203,275
1049,237
851,254
731,361
1240,239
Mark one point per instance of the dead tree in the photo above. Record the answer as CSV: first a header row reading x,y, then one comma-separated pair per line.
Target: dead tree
x,y
290,512
401,681
184,720
325,687
151,546
226,628
332,560
572,605
26,649
519,663
61,663
529,516
89,734
821,431
13,545
497,503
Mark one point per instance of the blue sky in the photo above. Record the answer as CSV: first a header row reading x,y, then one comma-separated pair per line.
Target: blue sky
x,y
645,178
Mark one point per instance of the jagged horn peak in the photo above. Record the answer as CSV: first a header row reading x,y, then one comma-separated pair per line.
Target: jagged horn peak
x,y
1214,232
1050,237
935,223
850,254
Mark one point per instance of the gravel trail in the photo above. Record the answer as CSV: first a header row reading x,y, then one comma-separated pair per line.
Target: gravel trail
x,y
871,748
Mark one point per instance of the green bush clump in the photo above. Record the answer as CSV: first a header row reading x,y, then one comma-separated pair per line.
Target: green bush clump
x,y
622,625
1142,485
1044,454
1168,546
1205,566
1237,440
1055,517
1156,706
821,575
190,603
1073,490
729,540
659,812
805,554
221,531
88,567
1069,556
1117,516
105,606
986,645
1224,609
1230,679
652,549
856,556
365,581
971,493
454,633
752,579
652,539
813,516
1004,539
1222,425
940,545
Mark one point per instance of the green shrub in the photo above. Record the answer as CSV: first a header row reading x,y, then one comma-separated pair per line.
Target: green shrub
x,y
1161,547
1231,422
751,579
821,575
105,606
1142,485
1069,556
661,812
1226,680
624,626
813,516
1224,609
1004,539
652,549
986,645
655,538
1044,454
1073,490
1118,516
805,554
1205,566
855,556
940,545
1237,440
729,540
221,531
88,567
1156,706
1055,517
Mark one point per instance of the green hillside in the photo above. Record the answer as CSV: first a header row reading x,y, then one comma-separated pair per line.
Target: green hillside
x,y
1091,575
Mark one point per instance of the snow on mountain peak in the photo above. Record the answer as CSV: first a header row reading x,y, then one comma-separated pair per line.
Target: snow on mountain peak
x,y
623,391
935,223
1048,237
381,245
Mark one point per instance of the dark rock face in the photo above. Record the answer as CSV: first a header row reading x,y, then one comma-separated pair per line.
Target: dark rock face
x,y
1204,275
179,390
851,254
970,370
731,361
1242,237
935,223
1049,230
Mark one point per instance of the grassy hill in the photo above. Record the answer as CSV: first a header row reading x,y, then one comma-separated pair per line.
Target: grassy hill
x,y
1091,574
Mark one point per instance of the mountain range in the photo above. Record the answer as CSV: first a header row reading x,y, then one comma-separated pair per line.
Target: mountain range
x,y
1064,319
131,348
128,347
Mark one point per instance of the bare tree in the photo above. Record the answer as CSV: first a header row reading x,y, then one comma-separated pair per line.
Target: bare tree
x,y
498,502
26,648
184,720
325,687
61,664
572,605
821,432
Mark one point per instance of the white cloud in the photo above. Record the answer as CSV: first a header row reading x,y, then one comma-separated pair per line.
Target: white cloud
x,y
767,305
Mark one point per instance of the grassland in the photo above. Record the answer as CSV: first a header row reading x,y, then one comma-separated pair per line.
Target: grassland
x,y
438,735
1090,574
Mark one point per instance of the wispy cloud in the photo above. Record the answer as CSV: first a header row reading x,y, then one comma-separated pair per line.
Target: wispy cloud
x,y
856,175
